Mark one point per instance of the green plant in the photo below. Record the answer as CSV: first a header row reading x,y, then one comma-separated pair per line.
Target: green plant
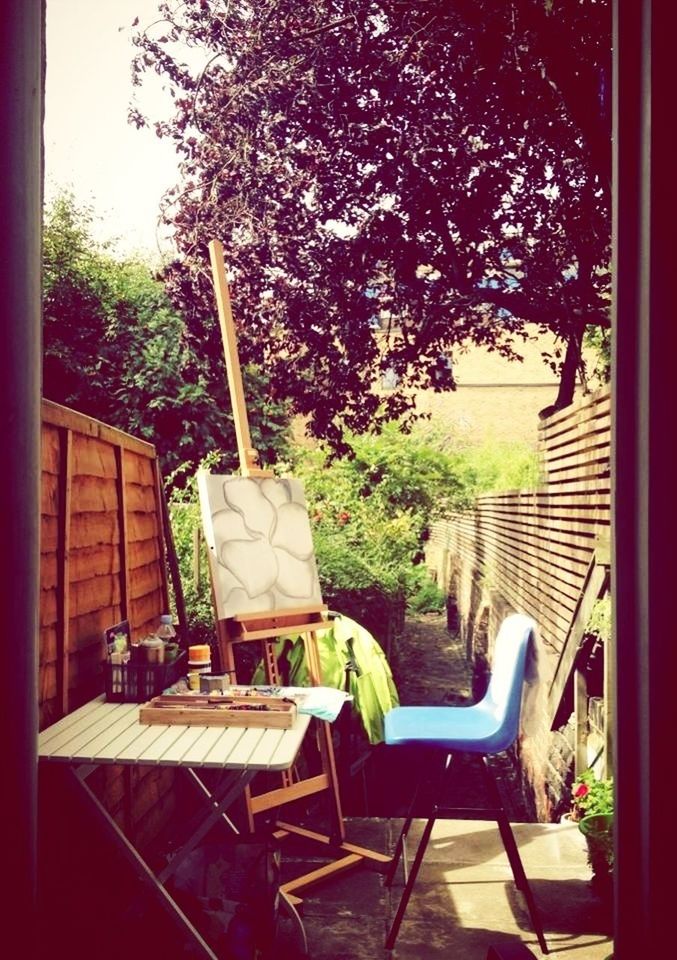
x,y
185,516
591,795
599,621
593,809
116,349
429,598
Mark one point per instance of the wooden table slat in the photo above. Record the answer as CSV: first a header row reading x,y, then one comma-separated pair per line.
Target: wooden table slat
x,y
265,752
163,745
134,750
84,727
176,753
222,750
195,757
58,729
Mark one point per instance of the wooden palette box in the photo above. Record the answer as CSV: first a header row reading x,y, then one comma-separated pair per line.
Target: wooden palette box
x,y
219,710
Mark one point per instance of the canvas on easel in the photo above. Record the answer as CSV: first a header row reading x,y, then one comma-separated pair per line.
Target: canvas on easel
x,y
261,547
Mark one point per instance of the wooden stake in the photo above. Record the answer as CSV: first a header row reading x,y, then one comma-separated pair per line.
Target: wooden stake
x,y
246,452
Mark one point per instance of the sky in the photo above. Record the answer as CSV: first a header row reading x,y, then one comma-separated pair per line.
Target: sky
x,y
90,148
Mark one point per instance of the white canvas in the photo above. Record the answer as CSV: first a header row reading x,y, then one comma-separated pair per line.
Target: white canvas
x,y
261,548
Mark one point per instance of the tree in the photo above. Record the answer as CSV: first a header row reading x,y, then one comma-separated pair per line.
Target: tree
x,y
114,348
391,180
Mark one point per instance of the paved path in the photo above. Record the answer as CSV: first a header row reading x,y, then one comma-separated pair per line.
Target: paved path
x,y
429,664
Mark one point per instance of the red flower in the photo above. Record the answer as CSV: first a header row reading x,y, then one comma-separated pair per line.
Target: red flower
x,y
582,790
343,518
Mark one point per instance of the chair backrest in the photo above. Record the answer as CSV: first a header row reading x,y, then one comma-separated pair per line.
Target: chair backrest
x,y
504,695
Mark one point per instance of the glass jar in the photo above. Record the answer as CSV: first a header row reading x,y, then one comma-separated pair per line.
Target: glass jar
x,y
154,649
165,630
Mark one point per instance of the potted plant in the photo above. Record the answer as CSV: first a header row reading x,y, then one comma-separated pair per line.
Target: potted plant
x,y
593,809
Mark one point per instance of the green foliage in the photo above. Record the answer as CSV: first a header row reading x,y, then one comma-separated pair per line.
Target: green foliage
x,y
429,598
594,799
370,511
599,622
598,340
494,466
184,512
115,349
590,795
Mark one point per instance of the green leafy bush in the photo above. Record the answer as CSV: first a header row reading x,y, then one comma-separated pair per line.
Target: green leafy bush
x,y
590,795
116,349
599,622
428,598
184,512
370,511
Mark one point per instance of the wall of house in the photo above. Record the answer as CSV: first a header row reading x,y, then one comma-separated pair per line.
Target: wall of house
x,y
544,553
496,398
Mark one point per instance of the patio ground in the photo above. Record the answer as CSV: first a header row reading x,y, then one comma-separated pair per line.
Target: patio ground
x,y
464,901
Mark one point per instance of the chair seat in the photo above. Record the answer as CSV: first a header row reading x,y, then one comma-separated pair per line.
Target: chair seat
x,y
473,729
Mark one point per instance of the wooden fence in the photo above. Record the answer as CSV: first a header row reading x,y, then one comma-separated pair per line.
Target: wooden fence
x,y
102,550
543,552
103,559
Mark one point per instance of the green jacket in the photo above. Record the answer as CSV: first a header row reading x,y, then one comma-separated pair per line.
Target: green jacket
x,y
346,643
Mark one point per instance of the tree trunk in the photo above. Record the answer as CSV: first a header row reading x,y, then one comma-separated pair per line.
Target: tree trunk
x,y
567,380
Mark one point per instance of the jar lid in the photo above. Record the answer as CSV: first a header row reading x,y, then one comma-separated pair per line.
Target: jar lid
x,y
166,618
199,652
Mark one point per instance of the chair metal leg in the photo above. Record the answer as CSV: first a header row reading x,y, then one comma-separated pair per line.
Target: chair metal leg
x,y
434,784
512,851
409,886
399,850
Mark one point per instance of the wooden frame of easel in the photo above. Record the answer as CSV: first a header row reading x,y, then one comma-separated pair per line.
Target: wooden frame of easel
x,y
267,627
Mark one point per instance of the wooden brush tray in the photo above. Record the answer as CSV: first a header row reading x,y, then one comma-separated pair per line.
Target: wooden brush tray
x,y
219,710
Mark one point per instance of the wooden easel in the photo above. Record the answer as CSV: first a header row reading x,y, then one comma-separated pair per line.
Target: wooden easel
x,y
267,627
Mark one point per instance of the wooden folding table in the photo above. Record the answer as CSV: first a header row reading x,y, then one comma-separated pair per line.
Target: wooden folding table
x,y
110,733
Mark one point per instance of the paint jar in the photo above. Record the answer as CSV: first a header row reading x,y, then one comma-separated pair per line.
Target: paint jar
x,y
213,682
199,662
195,671
199,653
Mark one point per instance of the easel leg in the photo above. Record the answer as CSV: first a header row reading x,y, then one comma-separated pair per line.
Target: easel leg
x,y
346,855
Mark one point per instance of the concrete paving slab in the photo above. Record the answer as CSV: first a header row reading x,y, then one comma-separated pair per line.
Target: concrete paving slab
x,y
465,899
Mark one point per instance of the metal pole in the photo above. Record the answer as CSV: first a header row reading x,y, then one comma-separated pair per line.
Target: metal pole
x,y
644,516
21,114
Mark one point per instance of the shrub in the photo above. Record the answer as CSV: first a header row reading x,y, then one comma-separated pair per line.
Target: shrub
x,y
590,795
184,512
428,598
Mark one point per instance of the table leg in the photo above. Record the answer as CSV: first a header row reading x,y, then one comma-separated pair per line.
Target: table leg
x,y
220,800
143,870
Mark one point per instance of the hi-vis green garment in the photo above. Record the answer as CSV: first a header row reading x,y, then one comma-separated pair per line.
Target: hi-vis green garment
x,y
345,642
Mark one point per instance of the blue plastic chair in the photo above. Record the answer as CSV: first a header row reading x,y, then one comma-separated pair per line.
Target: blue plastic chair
x,y
485,728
